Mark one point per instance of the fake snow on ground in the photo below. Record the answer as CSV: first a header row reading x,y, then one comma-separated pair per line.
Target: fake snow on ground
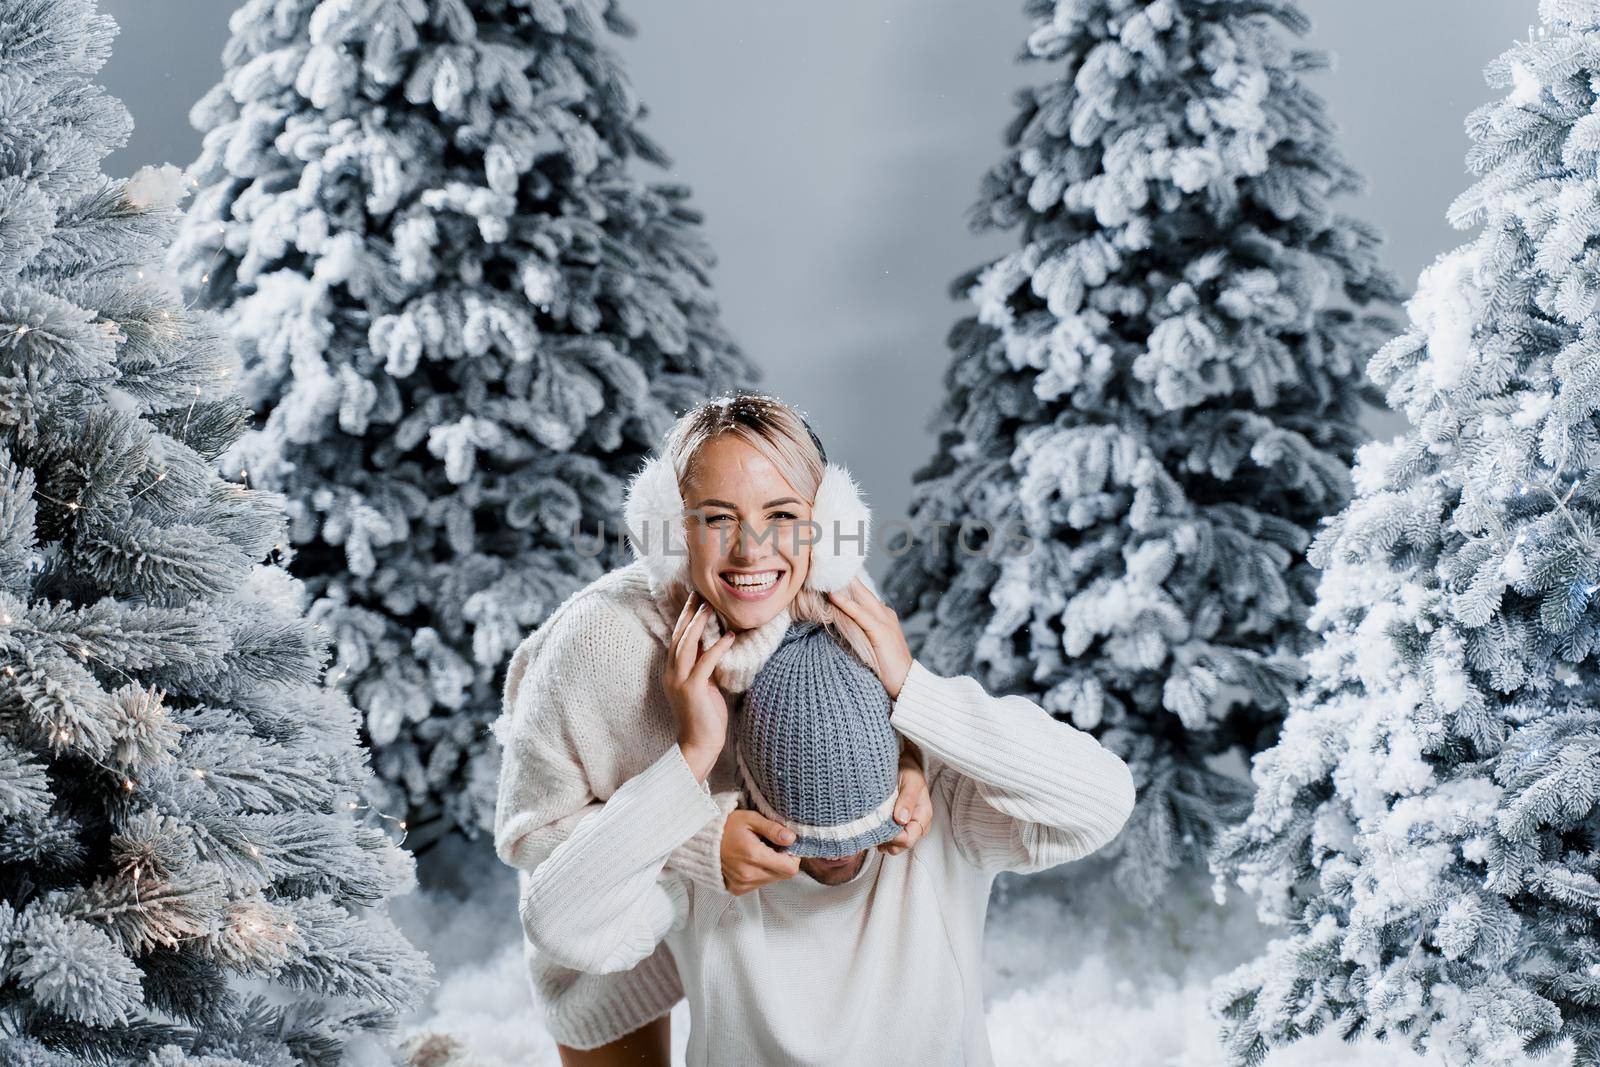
x,y
1075,976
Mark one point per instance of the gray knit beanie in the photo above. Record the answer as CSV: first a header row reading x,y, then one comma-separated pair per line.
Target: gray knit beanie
x,y
815,749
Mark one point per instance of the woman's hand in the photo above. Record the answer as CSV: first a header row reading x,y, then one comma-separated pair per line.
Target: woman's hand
x,y
748,862
913,807
882,627
698,705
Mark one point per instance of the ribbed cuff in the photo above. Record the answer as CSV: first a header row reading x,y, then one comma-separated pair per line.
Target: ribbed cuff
x,y
918,709
682,802
700,858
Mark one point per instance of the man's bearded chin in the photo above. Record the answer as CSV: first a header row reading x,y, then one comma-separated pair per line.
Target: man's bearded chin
x,y
833,872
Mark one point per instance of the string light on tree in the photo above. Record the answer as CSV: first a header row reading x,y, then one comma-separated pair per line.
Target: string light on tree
x,y
131,815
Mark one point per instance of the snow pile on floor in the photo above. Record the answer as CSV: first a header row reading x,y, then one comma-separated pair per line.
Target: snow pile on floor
x,y
1075,975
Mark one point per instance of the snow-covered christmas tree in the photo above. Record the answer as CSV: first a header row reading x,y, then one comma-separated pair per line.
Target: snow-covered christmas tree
x,y
183,880
1154,402
1427,825
464,322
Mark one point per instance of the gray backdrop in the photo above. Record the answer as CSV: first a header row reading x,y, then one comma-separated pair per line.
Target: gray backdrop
x,y
834,149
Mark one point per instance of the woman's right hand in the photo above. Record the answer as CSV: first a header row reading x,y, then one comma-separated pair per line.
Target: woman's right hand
x,y
698,705
748,862
701,710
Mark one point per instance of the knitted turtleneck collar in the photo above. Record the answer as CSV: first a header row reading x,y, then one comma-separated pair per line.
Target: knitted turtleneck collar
x,y
738,666
743,658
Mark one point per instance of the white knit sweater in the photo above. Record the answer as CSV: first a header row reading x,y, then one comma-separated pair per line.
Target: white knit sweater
x,y
885,968
583,712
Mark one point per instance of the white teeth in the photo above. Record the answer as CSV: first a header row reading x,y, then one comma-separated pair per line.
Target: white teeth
x,y
753,581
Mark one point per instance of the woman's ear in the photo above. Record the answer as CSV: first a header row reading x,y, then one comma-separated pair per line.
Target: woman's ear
x,y
844,531
652,509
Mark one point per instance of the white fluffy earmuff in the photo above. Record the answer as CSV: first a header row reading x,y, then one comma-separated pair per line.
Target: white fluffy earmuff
x,y
654,512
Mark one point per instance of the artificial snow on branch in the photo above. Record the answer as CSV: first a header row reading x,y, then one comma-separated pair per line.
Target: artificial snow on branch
x,y
1427,824
174,777
1155,401
464,320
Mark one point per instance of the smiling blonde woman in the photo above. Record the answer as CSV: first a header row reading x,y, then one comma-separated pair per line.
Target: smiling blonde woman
x,y
742,520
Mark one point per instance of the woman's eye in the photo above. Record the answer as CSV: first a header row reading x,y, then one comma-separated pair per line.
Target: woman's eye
x,y
723,520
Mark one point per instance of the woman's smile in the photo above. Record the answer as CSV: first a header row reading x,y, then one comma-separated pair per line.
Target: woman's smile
x,y
751,585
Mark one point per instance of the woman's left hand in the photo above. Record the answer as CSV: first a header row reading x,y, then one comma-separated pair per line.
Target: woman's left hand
x,y
882,627
913,807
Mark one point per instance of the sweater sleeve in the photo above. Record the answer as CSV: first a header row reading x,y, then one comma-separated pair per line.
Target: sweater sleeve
x,y
543,790
602,901
699,858
1028,791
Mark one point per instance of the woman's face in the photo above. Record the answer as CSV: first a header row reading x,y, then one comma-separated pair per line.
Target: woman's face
x,y
749,545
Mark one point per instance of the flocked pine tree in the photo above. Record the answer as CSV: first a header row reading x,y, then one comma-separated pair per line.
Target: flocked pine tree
x,y
1427,825
1154,402
464,323
182,878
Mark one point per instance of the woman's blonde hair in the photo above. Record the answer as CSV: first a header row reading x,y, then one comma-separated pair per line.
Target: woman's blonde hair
x,y
778,431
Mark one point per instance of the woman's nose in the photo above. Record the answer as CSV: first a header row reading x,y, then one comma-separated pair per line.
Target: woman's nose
x,y
749,542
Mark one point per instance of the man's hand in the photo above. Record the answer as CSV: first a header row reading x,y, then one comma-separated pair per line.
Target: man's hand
x,y
913,808
748,862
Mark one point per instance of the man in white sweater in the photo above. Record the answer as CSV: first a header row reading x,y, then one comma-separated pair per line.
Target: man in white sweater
x,y
866,958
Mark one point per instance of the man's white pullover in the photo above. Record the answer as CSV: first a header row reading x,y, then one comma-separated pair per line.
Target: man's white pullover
x,y
885,968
